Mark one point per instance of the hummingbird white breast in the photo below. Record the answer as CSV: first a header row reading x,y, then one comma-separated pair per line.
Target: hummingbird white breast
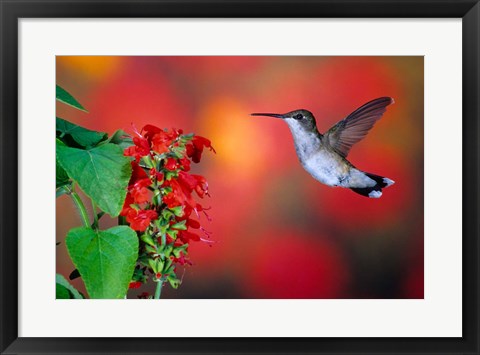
x,y
324,167
315,159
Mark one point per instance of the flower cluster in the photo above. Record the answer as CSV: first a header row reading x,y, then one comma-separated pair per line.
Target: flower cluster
x,y
160,203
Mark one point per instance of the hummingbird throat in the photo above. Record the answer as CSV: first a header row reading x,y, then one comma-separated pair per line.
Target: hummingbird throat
x,y
306,141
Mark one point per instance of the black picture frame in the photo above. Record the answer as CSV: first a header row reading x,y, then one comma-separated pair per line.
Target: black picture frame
x,y
12,11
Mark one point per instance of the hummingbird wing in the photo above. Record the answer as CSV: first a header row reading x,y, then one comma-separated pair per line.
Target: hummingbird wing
x,y
343,135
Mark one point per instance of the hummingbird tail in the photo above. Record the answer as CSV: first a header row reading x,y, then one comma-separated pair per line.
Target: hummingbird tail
x,y
374,191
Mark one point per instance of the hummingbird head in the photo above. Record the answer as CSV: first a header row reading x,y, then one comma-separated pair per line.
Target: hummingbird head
x,y
297,120
304,130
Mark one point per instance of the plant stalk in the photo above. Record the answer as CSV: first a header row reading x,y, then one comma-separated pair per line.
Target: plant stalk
x,y
80,206
158,289
95,216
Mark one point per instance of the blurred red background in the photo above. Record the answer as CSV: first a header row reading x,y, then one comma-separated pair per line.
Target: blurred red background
x,y
279,233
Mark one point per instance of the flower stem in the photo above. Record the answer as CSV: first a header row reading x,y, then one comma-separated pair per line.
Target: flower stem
x,y
95,216
158,290
80,206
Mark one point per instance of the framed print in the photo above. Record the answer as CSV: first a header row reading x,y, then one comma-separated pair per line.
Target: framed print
x,y
240,177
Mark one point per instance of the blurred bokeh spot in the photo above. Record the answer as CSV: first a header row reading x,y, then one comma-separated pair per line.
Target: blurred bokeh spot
x,y
278,232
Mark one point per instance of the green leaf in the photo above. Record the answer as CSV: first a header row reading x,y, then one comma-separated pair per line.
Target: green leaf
x,y
180,225
63,96
120,138
62,178
83,136
101,172
147,239
153,265
105,259
167,250
150,249
178,211
174,282
179,249
65,290
61,293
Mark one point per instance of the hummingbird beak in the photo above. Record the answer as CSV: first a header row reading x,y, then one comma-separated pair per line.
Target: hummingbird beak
x,y
276,115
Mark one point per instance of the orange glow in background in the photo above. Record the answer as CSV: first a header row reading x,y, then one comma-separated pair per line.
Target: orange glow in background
x,y
279,233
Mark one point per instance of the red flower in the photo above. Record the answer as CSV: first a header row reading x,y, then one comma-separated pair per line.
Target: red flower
x,y
159,144
150,131
186,236
140,149
202,186
139,181
137,173
162,140
187,180
139,191
126,205
182,189
191,223
156,174
184,164
171,164
187,211
169,239
195,149
171,200
182,260
174,133
140,220
175,192
193,182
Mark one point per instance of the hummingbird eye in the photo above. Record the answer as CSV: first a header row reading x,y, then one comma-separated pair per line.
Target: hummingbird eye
x,y
298,116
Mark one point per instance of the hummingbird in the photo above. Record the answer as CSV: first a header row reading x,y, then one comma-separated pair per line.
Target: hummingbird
x,y
324,156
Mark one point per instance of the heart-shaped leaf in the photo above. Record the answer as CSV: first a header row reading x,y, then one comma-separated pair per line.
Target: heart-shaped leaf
x,y
63,96
105,259
101,172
